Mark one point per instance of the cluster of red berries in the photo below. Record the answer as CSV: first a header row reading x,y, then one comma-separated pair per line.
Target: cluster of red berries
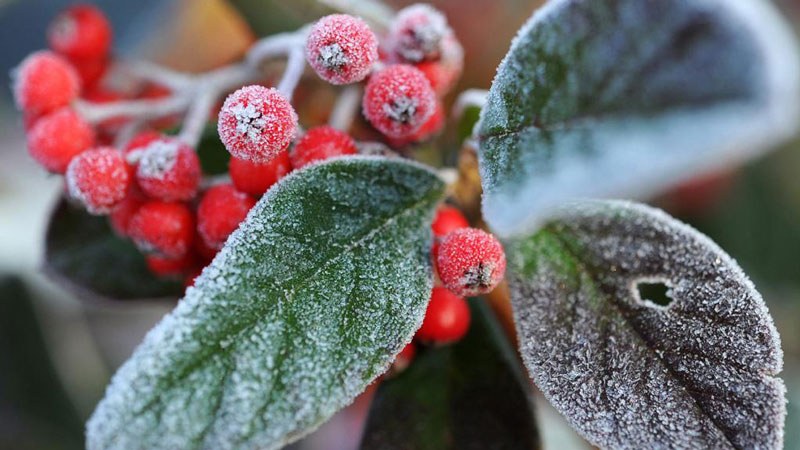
x,y
408,70
469,262
152,187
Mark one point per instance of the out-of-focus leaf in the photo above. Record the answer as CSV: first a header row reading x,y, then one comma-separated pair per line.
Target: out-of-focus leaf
x,y
627,97
630,373
213,155
35,412
83,254
310,299
471,395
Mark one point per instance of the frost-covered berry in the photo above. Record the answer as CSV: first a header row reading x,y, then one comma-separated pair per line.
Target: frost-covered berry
x,y
256,123
398,100
470,262
432,127
44,82
170,267
321,143
341,49
444,72
257,178
91,71
80,32
163,228
120,217
446,320
221,210
169,170
416,33
99,179
448,218
58,137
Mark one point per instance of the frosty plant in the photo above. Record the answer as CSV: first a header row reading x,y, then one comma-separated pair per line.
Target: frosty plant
x,y
323,249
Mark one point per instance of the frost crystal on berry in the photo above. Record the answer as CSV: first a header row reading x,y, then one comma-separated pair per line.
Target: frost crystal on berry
x,y
256,123
44,82
470,262
58,137
341,49
168,170
99,179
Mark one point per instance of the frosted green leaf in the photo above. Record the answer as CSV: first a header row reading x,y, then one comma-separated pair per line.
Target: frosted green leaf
x,y
697,371
310,299
624,98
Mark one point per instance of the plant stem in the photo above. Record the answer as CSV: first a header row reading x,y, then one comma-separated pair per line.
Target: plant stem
x,y
346,108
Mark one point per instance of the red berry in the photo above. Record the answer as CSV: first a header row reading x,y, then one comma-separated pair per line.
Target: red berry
x,y
221,211
82,31
163,228
134,149
403,359
99,179
169,170
204,252
167,267
254,178
470,262
58,137
448,219
446,319
321,143
256,123
416,34
44,82
398,101
444,73
341,49
120,217
189,280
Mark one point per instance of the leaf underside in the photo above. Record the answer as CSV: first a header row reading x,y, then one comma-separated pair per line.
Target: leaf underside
x,y
626,372
627,97
309,300
471,395
83,253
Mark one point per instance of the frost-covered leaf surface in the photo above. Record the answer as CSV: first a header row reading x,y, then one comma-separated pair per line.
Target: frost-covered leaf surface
x,y
628,373
626,97
309,300
83,254
471,395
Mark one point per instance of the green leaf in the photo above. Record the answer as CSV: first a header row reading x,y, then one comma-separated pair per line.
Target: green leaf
x,y
83,254
472,395
626,371
213,155
627,97
310,300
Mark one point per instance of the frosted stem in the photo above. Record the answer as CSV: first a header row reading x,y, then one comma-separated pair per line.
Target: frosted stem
x,y
197,117
275,45
141,109
346,108
158,74
295,65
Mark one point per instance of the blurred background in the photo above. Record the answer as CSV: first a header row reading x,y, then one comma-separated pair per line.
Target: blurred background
x,y
58,349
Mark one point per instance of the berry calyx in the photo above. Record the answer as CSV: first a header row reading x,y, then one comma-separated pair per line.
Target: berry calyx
x,y
447,318
168,170
417,32
256,123
44,82
99,179
398,100
58,137
256,178
165,229
221,210
447,219
80,32
470,262
341,49
427,131
321,143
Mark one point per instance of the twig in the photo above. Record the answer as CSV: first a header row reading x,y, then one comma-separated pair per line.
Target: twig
x,y
346,108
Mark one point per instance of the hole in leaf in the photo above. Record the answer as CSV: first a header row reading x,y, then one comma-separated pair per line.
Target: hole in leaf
x,y
654,292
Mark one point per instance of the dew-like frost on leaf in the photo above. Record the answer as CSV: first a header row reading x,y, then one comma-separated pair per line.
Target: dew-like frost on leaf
x,y
627,97
310,299
630,374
